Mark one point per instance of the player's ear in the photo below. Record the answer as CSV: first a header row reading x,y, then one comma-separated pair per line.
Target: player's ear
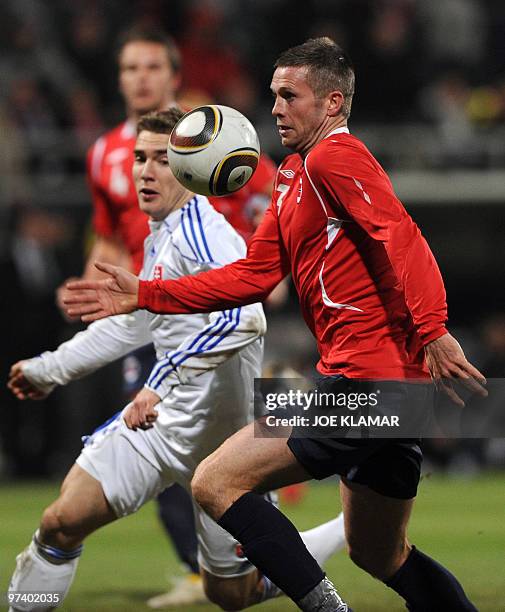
x,y
335,103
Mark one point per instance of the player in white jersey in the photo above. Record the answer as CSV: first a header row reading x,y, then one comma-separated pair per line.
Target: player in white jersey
x,y
199,392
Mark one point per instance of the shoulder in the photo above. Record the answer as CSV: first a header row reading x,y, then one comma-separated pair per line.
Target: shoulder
x,y
205,236
113,136
341,154
121,138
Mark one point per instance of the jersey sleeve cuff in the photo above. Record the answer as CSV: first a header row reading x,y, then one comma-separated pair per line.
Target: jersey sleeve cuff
x,y
433,335
144,294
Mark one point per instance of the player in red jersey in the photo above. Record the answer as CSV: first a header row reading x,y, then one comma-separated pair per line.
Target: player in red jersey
x,y
372,294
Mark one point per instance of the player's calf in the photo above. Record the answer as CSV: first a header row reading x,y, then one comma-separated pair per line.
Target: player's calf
x,y
235,593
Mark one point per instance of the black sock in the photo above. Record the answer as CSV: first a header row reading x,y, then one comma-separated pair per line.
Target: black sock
x,y
427,586
175,510
271,542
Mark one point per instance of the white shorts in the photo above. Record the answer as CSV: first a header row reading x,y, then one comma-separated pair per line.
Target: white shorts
x,y
129,480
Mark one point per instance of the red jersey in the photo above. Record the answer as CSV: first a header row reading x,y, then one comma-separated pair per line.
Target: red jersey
x,y
115,205
370,289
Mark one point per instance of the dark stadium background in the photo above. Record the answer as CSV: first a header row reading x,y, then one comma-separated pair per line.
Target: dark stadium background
x,y
429,103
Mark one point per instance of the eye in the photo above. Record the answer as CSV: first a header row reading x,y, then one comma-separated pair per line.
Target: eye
x,y
139,158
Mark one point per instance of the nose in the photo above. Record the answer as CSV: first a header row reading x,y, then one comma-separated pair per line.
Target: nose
x,y
147,172
142,74
277,107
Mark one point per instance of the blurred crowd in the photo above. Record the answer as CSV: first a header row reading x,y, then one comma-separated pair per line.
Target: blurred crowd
x,y
441,64
430,86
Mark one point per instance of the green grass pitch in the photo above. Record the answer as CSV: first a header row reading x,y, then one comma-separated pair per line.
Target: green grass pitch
x,y
460,522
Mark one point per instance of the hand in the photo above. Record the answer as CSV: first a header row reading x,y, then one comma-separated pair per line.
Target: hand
x,y
93,300
141,413
21,386
61,294
446,362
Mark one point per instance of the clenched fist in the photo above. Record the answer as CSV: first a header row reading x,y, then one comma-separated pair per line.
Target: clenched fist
x,y
141,413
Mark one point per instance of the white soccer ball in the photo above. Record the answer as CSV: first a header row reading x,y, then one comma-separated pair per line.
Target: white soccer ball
x,y
213,150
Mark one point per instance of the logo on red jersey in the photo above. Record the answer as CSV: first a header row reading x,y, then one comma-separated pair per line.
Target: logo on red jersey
x,y
287,173
158,272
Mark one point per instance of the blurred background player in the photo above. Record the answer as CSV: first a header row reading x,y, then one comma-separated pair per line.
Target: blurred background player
x,y
149,78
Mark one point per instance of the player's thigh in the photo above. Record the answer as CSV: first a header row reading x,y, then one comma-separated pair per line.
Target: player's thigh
x,y
80,509
250,461
375,527
127,478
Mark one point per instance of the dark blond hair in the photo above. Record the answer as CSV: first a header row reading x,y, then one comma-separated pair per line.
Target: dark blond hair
x,y
159,122
329,68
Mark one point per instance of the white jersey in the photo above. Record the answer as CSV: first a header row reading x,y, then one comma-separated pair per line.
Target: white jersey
x,y
206,363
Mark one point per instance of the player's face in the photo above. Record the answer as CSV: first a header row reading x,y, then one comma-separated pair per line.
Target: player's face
x,y
158,191
146,78
302,119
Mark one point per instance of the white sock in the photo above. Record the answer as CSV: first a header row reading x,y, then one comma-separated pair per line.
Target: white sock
x,y
322,542
325,540
35,573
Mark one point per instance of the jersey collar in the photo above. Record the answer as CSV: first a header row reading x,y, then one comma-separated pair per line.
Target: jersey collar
x,y
340,130
173,219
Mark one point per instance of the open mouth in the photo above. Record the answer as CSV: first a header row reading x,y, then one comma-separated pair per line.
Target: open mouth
x,y
148,194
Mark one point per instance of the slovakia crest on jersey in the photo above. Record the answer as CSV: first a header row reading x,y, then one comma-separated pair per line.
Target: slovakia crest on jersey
x,y
158,272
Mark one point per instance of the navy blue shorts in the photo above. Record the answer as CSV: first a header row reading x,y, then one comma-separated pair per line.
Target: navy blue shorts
x,y
391,466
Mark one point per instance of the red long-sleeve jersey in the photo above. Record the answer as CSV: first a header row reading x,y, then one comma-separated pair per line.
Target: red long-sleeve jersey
x,y
116,211
369,287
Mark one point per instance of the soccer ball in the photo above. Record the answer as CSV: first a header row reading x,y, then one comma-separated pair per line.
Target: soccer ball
x,y
213,150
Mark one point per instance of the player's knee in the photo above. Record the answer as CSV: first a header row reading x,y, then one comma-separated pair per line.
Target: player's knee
x,y
205,488
59,526
381,561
